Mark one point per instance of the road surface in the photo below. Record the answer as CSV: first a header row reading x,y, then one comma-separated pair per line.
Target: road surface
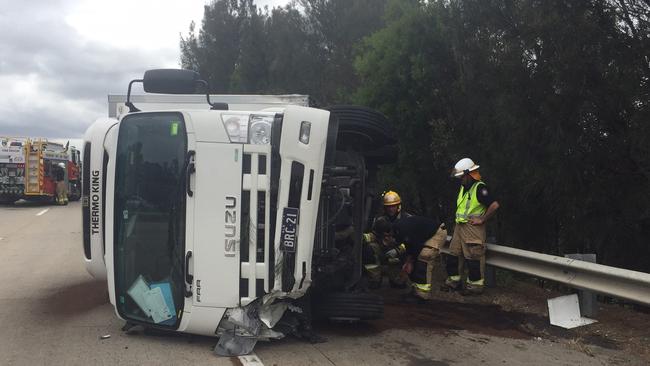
x,y
53,313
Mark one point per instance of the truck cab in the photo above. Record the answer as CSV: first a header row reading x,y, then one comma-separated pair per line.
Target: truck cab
x,y
12,169
214,221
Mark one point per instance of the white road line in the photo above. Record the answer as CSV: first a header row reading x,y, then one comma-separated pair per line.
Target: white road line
x,y
42,212
250,360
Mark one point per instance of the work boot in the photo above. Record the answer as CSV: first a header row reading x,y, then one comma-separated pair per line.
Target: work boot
x,y
450,285
471,289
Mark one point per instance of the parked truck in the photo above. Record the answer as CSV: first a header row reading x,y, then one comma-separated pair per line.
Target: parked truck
x,y
43,158
229,215
12,169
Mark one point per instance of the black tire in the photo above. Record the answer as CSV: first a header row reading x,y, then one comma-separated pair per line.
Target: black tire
x,y
8,201
362,127
349,306
75,195
383,155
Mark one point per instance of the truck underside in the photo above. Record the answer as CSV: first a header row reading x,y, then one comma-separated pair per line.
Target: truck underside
x,y
363,142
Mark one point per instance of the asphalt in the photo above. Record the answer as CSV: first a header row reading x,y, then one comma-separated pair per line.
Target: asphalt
x,y
52,312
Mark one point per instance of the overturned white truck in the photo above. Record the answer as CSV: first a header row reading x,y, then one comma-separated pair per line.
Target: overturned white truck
x,y
217,218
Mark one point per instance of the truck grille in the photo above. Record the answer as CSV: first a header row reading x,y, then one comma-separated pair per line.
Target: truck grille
x,y
257,224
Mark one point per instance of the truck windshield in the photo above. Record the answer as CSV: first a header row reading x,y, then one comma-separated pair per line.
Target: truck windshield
x,y
150,218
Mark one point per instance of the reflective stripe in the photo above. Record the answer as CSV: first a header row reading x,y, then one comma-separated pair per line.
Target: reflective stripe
x,y
480,282
424,287
455,278
370,266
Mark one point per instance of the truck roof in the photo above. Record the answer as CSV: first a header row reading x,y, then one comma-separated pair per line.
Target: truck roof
x,y
151,102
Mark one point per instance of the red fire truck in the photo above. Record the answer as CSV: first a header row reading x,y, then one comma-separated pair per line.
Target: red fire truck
x,y
43,159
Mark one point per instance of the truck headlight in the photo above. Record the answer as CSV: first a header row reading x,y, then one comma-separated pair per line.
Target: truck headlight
x,y
259,132
248,128
236,126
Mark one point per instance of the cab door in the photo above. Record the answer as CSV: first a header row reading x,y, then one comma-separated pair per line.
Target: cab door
x,y
216,196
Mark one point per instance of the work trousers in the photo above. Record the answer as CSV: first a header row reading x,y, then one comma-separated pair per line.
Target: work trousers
x,y
422,275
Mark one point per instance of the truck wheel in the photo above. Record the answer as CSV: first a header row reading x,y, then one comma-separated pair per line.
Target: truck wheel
x,y
363,127
8,201
75,192
349,306
76,196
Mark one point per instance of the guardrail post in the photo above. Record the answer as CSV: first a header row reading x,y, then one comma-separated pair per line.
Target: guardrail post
x,y
489,272
588,299
490,276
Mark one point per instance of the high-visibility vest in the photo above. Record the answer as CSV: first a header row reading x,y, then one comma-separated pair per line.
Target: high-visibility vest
x,y
467,204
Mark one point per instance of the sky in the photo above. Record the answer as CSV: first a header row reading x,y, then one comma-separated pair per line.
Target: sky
x,y
59,59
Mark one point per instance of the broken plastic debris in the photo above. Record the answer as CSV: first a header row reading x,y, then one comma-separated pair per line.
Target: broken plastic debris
x,y
105,336
271,314
564,311
231,345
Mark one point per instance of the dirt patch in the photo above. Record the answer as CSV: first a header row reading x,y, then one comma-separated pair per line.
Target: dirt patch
x,y
600,341
445,316
515,309
75,299
425,362
235,361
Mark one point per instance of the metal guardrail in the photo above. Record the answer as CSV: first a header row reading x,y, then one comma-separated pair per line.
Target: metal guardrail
x,y
617,282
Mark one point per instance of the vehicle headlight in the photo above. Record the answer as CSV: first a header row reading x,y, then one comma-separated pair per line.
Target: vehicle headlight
x,y
236,126
259,132
248,128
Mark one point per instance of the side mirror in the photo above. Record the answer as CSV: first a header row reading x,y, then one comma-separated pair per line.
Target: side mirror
x,y
171,81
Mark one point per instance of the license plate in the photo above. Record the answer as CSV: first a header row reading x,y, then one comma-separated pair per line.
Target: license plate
x,y
288,234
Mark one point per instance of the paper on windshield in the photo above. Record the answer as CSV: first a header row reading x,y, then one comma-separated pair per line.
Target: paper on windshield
x,y
150,300
157,306
138,291
166,290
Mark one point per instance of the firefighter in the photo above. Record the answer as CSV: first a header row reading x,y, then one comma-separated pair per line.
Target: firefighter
x,y
423,238
381,256
474,206
61,186
393,206
373,251
394,253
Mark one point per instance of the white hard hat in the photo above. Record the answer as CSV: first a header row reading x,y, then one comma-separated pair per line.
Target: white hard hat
x,y
61,165
462,166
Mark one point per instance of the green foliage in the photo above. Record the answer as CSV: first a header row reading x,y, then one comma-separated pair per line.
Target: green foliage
x,y
307,49
550,97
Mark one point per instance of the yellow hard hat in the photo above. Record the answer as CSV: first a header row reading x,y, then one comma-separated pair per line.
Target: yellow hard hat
x,y
391,198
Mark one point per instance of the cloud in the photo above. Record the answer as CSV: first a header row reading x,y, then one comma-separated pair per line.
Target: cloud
x,y
60,58
55,79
